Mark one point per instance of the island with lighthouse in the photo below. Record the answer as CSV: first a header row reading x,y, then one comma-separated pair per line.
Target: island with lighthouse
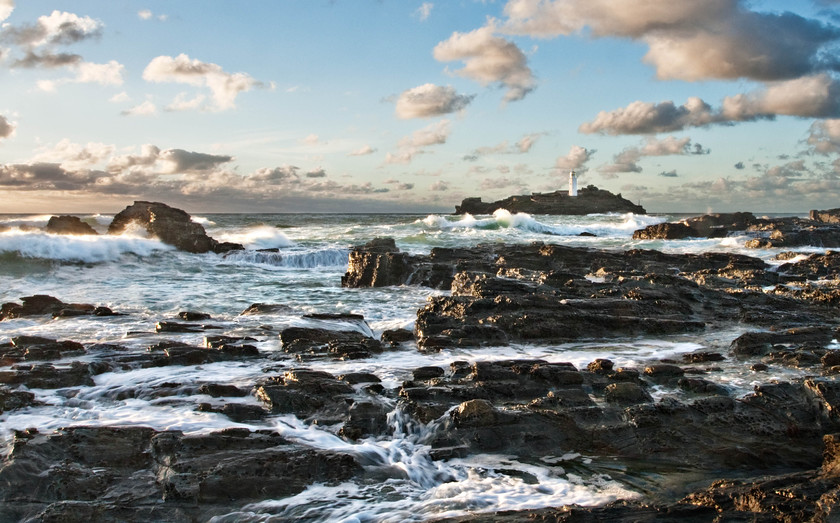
x,y
588,200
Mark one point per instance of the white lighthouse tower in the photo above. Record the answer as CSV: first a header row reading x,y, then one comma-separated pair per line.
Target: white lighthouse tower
x,y
572,184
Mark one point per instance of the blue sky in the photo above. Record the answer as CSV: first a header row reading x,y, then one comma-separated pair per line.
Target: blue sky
x,y
395,105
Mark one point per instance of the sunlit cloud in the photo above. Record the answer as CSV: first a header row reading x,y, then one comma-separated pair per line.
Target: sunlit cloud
x,y
146,108
489,59
7,128
224,87
424,11
362,151
429,100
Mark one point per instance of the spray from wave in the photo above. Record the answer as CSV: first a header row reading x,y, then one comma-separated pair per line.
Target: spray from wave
x,y
259,237
85,249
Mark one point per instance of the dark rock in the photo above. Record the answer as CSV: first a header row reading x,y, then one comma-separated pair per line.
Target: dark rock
x,y
218,391
354,378
15,399
761,343
396,336
48,376
589,200
266,308
626,393
666,231
314,342
702,357
172,326
193,316
68,225
306,393
427,373
600,366
172,226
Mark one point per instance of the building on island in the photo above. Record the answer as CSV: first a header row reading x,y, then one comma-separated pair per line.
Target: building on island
x,y
572,184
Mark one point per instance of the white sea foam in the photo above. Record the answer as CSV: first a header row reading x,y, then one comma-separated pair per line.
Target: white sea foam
x,y
259,237
611,225
426,488
89,249
291,260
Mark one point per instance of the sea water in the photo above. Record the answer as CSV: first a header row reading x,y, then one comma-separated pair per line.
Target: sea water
x,y
298,261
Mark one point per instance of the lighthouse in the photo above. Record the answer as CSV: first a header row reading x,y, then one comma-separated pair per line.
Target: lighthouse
x,y
572,183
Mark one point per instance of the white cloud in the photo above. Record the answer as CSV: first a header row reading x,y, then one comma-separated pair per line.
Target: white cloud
x,y
6,8
183,102
627,160
825,136
691,39
440,186
311,139
489,59
146,108
363,151
72,156
145,14
429,100
424,11
224,87
576,159
433,134
120,97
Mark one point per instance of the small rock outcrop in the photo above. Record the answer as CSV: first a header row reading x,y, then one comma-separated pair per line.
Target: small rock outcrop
x,y
68,225
172,226
706,226
589,200
828,216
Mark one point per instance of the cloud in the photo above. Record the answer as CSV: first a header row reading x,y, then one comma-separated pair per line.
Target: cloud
x,y
522,146
181,161
433,134
424,11
669,174
740,166
576,159
400,186
690,40
74,157
439,186
311,139
6,8
224,87
824,136
807,97
627,160
57,28
146,108
649,118
502,183
110,73
46,60
429,100
276,174
489,59
362,151
7,128
147,14
316,173
183,102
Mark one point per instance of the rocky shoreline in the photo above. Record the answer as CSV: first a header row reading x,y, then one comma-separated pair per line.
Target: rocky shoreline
x,y
695,449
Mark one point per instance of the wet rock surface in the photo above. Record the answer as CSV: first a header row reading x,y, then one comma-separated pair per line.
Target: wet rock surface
x,y
136,473
767,455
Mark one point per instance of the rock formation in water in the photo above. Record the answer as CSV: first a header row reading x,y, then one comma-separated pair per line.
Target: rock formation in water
x,y
68,225
170,225
588,201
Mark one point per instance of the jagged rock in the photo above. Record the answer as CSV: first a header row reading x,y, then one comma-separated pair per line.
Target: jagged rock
x,y
48,376
139,474
15,399
68,225
265,308
626,393
314,342
828,216
761,343
666,231
306,393
396,336
193,316
589,200
172,226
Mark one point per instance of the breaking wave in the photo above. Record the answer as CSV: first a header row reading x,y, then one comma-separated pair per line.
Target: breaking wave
x,y
85,249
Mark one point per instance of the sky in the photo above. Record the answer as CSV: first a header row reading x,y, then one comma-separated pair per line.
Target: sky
x,y
411,106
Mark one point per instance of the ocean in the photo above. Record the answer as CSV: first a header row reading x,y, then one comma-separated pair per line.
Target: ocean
x,y
297,260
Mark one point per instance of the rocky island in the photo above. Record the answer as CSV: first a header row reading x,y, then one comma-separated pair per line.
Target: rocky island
x,y
590,200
